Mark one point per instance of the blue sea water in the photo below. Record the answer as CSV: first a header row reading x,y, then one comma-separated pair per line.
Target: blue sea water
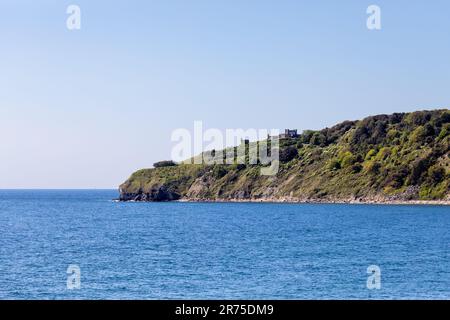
x,y
218,250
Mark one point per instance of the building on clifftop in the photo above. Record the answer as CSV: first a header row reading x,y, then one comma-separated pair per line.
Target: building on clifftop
x,y
288,133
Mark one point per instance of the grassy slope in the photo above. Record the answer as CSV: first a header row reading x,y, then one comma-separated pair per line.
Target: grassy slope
x,y
404,156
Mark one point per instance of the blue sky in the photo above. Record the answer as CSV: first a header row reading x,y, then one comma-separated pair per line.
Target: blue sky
x,y
85,108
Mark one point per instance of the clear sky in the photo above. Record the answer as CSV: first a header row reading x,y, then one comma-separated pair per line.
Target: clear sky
x,y
85,108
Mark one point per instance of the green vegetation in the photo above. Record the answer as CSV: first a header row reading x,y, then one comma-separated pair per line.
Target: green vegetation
x,y
165,163
400,156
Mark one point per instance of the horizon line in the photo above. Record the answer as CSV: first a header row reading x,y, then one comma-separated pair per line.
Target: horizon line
x,y
56,189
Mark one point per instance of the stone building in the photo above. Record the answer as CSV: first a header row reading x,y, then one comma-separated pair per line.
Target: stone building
x,y
288,133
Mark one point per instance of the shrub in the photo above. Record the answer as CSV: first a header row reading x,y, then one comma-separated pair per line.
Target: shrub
x,y
318,139
347,159
443,118
417,118
238,166
357,167
383,153
370,154
373,167
444,131
165,163
287,154
436,174
306,136
392,134
219,171
334,164
420,133
397,178
418,167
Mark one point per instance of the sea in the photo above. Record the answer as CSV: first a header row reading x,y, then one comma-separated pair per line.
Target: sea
x,y
80,244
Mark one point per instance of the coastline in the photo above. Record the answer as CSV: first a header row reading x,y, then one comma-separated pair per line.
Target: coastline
x,y
316,201
308,201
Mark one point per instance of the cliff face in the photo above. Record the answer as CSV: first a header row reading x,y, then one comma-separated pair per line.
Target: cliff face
x,y
403,156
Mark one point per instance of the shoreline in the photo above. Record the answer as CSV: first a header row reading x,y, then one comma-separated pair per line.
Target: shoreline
x,y
355,202
308,201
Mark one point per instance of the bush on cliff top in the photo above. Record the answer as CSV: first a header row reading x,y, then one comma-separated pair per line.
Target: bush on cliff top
x,y
165,163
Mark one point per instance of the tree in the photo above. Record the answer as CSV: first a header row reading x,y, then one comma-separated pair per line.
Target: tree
x,y
287,154
318,139
418,167
436,174
165,163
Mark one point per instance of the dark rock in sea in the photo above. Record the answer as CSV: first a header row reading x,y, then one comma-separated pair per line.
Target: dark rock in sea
x,y
159,194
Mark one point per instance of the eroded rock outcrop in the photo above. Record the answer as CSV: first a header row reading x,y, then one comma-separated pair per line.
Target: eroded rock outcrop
x,y
159,194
